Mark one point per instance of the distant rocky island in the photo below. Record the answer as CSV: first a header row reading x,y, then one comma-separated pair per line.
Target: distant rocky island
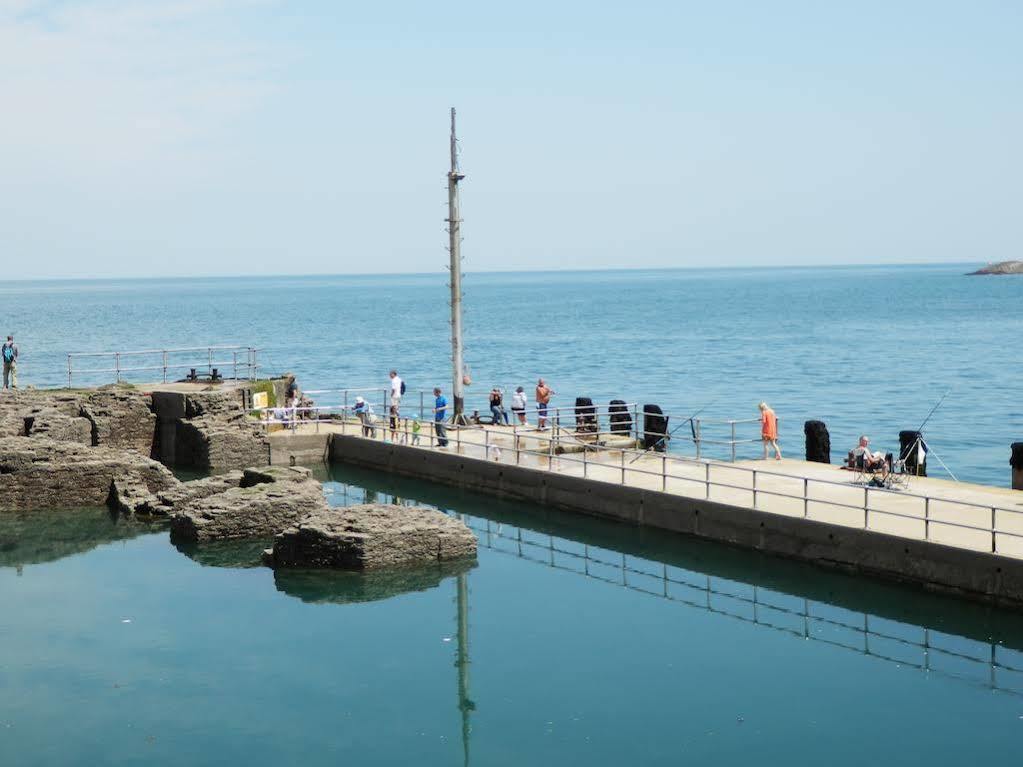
x,y
1002,267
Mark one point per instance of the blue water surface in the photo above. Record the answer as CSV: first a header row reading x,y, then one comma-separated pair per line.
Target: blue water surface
x,y
864,348
582,642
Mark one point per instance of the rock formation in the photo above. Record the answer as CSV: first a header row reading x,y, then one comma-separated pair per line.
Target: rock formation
x,y
43,473
1002,267
265,502
370,537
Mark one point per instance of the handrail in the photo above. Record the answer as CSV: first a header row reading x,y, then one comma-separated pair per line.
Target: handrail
x,y
243,359
492,450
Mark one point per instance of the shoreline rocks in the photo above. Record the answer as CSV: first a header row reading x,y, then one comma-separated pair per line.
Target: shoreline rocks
x,y
371,537
265,502
43,473
999,268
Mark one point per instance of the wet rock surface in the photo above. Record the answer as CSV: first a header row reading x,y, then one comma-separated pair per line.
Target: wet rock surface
x,y
371,537
265,502
43,473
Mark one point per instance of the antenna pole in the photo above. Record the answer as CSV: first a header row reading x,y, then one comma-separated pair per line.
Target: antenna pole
x,y
455,250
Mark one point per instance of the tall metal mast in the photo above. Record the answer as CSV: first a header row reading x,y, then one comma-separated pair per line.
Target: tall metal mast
x,y
455,250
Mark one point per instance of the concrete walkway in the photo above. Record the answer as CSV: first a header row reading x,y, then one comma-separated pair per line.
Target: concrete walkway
x,y
954,513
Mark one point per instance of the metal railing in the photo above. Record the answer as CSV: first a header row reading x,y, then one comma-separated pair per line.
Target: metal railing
x,y
998,667
704,434
240,361
708,480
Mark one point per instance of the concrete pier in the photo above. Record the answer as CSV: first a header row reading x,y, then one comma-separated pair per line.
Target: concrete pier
x,y
949,537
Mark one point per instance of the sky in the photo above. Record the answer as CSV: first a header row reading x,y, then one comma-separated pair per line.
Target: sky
x,y
232,137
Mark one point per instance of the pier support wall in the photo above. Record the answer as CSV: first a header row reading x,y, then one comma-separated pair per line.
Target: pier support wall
x,y
973,574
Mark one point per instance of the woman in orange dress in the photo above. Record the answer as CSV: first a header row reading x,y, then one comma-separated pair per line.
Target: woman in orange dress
x,y
769,430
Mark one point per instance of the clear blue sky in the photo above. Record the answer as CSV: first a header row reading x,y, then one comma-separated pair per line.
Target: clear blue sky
x,y
185,137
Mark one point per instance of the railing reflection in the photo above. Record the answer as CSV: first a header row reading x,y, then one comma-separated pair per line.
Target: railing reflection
x,y
988,664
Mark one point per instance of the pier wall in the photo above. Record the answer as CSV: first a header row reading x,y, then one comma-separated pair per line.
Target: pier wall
x,y
936,567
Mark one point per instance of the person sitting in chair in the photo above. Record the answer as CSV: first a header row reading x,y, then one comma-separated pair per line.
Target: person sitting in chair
x,y
872,462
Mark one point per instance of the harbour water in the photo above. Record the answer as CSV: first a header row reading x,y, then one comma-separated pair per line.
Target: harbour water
x,y
864,348
583,642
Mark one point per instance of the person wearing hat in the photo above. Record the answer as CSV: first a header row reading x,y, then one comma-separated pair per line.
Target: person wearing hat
x,y
10,355
365,414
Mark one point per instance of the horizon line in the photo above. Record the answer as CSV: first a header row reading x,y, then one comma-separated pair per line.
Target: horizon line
x,y
570,270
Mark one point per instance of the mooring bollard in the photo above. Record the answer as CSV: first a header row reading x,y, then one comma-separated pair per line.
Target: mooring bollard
x,y
818,442
911,444
1016,462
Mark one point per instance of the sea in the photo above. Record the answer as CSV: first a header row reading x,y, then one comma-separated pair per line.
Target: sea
x,y
866,349
570,640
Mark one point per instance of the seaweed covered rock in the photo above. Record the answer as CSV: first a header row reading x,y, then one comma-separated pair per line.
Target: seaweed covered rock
x,y
265,502
42,473
371,537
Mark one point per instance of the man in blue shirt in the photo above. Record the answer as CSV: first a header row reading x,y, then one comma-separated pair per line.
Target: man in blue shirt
x,y
440,414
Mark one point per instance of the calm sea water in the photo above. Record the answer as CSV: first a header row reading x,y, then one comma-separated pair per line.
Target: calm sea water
x,y
582,642
866,349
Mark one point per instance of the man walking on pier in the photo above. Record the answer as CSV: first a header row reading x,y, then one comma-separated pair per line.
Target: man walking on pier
x,y
10,355
440,414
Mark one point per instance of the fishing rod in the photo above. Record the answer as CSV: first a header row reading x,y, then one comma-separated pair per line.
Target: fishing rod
x,y
920,437
689,421
933,410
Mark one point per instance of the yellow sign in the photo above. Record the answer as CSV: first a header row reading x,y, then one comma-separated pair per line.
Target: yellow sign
x,y
260,399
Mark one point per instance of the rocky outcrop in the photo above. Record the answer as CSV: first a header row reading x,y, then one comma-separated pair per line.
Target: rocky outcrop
x,y
1002,267
210,442
266,502
131,497
43,473
121,418
372,537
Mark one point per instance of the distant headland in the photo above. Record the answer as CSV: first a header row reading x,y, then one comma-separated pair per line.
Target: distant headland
x,y
1002,267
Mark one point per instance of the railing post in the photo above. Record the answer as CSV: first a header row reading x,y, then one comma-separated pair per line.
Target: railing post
x,y
117,366
664,472
706,480
234,356
209,353
164,358
755,493
733,441
422,406
698,438
806,497
623,466
584,462
486,445
994,535
69,371
927,518
866,506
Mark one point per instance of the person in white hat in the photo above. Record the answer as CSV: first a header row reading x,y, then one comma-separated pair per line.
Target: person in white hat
x,y
365,414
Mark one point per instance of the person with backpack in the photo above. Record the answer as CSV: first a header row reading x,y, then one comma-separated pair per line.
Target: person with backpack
x,y
10,356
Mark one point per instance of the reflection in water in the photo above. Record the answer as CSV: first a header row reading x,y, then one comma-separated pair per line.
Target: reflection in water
x,y
236,553
889,622
33,537
341,587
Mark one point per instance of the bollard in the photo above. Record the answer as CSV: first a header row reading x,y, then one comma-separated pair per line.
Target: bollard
x,y
621,419
910,452
818,442
1016,462
655,429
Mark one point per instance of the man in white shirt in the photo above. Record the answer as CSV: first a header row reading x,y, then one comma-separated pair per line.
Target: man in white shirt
x,y
396,386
